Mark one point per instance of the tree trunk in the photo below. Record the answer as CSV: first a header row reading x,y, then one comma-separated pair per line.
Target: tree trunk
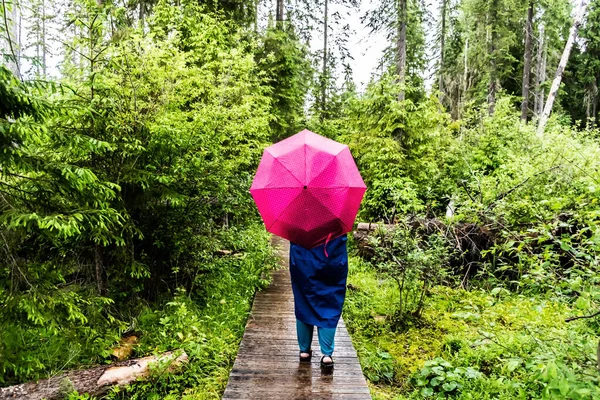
x,y
12,35
595,106
17,22
324,72
100,272
493,83
95,381
561,67
401,57
279,14
527,63
142,14
466,73
44,47
587,100
442,48
540,74
37,27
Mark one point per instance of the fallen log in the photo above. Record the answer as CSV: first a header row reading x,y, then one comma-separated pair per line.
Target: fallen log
x,y
466,241
371,226
95,381
361,235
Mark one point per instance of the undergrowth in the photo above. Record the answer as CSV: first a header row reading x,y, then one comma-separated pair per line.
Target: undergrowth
x,y
207,323
471,344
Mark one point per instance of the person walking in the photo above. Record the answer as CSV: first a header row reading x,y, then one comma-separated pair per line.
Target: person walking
x,y
318,278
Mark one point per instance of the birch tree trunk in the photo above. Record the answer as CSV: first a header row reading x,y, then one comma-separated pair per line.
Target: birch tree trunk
x,y
527,63
401,43
12,34
561,67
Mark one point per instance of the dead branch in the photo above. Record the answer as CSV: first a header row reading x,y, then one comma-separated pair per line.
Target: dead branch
x,y
583,316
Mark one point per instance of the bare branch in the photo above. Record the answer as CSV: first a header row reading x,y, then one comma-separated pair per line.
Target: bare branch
x,y
583,316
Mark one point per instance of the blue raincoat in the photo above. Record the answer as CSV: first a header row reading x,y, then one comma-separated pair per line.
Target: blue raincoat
x,y
319,281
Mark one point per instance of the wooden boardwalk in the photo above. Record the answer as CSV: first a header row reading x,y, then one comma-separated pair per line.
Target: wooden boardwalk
x,y
267,365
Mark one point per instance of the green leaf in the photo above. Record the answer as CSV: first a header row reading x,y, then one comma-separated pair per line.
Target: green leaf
x,y
513,363
422,382
472,373
436,380
449,386
582,303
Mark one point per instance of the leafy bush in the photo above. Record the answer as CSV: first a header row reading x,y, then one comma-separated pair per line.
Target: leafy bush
x,y
125,183
411,259
378,366
438,376
537,194
399,148
519,346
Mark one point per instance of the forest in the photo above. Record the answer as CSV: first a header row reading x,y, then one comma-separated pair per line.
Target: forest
x,y
130,132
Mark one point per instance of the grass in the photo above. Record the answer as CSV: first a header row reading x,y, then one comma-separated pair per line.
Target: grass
x,y
515,346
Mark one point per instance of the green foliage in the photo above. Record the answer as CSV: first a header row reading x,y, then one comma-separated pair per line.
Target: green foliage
x,y
49,203
534,203
501,345
208,331
125,183
537,194
439,377
414,260
398,147
285,63
125,210
378,366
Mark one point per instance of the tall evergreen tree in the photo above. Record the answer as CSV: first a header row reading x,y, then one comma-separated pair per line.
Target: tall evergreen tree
x,y
527,56
402,23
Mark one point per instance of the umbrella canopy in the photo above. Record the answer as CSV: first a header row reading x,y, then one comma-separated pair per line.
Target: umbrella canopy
x,y
308,189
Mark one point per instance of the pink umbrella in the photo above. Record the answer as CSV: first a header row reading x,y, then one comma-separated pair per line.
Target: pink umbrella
x,y
308,189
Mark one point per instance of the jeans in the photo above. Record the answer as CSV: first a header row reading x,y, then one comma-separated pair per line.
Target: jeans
x,y
305,335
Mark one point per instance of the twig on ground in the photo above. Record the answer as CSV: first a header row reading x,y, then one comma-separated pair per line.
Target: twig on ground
x,y
583,316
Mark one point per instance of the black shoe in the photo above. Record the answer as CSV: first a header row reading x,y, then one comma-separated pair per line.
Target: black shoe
x,y
328,364
306,358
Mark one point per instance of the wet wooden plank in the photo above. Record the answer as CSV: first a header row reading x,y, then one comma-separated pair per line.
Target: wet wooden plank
x,y
242,395
346,365
257,349
356,372
267,365
301,386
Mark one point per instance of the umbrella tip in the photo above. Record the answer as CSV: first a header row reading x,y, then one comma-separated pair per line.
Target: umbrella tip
x,y
305,187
